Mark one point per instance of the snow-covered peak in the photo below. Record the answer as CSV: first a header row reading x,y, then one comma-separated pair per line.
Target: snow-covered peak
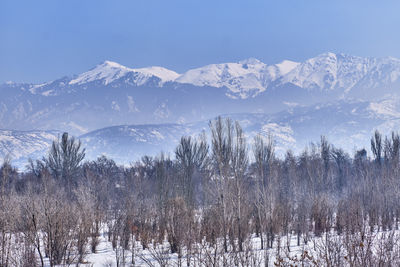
x,y
108,72
314,72
112,64
160,72
274,72
344,73
217,74
326,55
286,66
251,61
337,73
382,72
328,71
241,78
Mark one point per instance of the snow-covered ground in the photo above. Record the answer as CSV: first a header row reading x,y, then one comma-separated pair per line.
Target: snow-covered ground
x,y
340,250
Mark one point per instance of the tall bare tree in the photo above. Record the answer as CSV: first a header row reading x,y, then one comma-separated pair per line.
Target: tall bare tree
x,y
64,159
191,156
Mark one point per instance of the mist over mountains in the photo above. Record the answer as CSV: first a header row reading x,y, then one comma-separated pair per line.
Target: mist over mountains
x,y
343,97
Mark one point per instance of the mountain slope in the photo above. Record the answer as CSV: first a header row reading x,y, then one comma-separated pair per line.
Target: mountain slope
x,y
351,127
109,72
347,124
21,145
112,94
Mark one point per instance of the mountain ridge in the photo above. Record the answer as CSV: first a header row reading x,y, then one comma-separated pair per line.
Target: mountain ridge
x,y
325,71
111,94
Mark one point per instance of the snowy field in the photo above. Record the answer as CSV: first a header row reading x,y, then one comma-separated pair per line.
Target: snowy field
x,y
330,249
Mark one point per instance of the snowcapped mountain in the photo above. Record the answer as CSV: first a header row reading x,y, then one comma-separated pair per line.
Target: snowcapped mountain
x,y
111,94
328,71
245,78
109,72
345,74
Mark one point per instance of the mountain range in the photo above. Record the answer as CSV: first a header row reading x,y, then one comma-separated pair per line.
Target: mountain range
x,y
341,96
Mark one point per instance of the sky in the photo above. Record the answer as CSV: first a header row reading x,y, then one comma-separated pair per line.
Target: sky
x,y
43,40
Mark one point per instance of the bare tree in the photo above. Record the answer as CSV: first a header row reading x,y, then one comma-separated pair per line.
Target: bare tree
x,y
238,194
222,147
64,159
377,147
191,156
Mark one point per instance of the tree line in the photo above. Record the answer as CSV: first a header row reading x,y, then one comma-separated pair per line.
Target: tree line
x,y
207,204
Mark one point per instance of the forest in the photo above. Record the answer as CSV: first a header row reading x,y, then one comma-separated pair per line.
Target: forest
x,y
218,200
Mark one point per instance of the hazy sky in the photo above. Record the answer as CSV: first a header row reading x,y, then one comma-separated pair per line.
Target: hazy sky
x,y
44,40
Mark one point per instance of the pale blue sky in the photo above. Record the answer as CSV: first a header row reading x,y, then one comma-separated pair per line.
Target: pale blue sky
x,y
44,40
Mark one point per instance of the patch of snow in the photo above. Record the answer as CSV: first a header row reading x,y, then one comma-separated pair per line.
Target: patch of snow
x,y
48,92
115,106
157,134
131,104
291,104
386,108
78,127
33,88
283,133
162,111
